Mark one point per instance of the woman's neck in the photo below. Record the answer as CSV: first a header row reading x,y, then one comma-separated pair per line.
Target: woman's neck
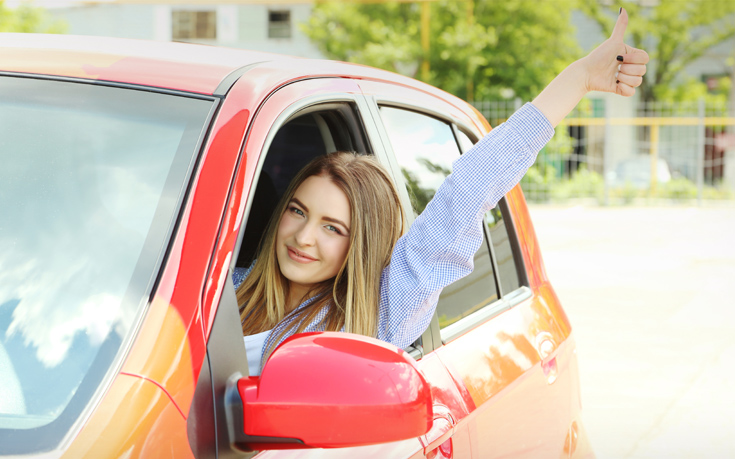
x,y
297,293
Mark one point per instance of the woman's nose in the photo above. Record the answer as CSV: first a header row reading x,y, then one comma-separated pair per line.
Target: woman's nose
x,y
305,236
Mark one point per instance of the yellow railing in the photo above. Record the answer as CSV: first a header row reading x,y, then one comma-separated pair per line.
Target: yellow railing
x,y
655,124
683,121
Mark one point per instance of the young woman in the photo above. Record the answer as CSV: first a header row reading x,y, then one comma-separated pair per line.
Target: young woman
x,y
333,257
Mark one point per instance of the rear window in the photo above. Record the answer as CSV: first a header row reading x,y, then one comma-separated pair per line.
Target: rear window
x,y
90,184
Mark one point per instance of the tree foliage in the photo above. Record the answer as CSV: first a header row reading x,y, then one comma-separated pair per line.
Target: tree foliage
x,y
479,49
27,19
675,33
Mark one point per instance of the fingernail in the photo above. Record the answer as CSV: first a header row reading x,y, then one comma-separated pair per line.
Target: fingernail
x,y
617,81
620,11
616,74
619,67
620,58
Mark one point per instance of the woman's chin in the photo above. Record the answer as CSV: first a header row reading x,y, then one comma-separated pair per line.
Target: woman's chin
x,y
296,273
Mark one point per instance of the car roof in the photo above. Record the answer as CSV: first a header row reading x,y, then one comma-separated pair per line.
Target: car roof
x,y
176,66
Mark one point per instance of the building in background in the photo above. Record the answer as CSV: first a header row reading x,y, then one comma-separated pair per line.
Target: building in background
x,y
270,26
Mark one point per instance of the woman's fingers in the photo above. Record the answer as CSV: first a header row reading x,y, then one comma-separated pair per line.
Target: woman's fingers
x,y
632,69
624,90
629,80
636,56
630,73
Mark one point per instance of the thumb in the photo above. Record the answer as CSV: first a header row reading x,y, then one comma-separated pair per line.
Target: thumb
x,y
620,25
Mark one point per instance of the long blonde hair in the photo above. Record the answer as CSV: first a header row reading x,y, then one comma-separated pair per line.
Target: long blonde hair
x,y
353,295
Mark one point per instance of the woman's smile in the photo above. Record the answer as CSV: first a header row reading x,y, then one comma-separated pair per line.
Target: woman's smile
x,y
299,256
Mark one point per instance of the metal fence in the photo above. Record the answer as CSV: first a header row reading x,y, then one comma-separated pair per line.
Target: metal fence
x,y
681,152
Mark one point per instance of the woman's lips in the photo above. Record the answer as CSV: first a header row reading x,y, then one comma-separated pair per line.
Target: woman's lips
x,y
299,257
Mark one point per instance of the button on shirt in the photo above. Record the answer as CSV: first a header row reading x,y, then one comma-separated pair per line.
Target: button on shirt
x,y
439,247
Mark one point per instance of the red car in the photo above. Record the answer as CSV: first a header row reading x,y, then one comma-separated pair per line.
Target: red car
x,y
136,176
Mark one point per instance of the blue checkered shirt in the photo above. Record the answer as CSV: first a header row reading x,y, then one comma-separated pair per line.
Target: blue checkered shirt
x,y
439,247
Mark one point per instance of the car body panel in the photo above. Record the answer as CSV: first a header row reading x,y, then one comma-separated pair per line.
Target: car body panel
x,y
135,419
162,355
533,260
197,69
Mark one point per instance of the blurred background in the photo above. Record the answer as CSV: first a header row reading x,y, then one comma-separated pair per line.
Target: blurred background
x,y
673,141
633,199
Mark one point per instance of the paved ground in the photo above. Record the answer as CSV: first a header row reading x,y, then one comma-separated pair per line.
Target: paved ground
x,y
651,296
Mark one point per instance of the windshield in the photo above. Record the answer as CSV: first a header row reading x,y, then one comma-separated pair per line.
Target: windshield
x,y
90,183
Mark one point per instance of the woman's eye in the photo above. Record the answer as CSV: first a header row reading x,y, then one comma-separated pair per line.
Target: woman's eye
x,y
296,211
333,228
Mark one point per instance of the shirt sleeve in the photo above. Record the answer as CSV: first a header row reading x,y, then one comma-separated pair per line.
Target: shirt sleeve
x,y
440,246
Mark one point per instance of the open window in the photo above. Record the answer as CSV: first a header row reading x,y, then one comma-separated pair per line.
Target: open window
x,y
308,134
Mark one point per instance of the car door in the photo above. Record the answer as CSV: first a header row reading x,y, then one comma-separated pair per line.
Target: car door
x,y
296,123
501,338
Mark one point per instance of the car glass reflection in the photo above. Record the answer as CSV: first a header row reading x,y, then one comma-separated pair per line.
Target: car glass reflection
x,y
85,170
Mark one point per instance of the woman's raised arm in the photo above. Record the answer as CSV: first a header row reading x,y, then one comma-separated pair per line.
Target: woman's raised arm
x,y
611,67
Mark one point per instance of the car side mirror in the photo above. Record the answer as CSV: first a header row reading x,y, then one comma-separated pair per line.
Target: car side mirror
x,y
329,390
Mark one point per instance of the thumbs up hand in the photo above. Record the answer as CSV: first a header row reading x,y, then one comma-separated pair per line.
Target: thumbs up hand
x,y
611,67
614,66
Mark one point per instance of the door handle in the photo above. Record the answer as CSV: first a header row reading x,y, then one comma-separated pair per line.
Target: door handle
x,y
546,348
441,431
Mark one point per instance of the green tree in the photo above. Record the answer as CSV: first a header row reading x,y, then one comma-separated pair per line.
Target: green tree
x,y
675,33
27,18
479,49
420,197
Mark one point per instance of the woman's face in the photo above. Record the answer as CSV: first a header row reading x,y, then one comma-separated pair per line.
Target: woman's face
x,y
314,234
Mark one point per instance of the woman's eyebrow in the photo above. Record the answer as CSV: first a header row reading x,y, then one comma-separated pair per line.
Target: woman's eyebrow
x,y
334,220
300,204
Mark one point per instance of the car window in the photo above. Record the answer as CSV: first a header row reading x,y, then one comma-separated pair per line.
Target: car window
x,y
425,148
496,226
504,250
301,139
92,177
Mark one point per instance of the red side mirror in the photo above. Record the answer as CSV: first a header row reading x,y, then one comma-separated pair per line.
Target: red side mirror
x,y
329,390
